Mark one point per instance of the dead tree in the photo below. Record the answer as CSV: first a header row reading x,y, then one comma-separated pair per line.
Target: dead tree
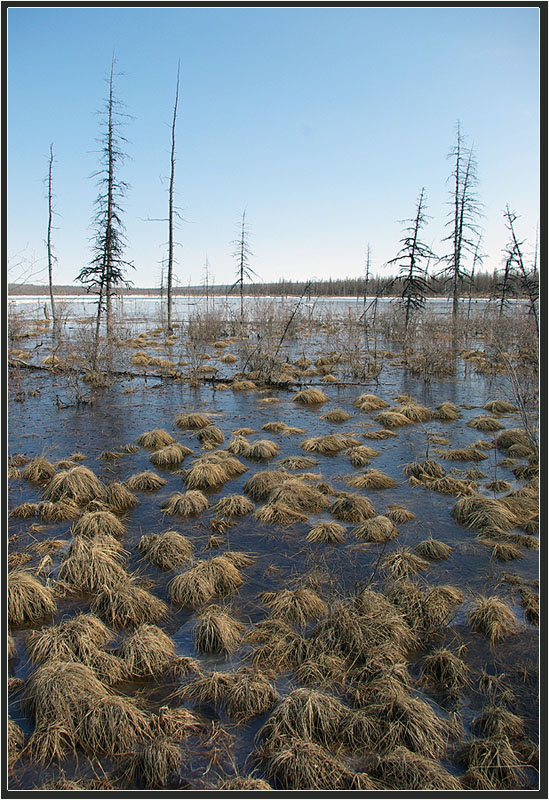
x,y
51,257
106,271
464,217
171,209
242,255
528,278
413,276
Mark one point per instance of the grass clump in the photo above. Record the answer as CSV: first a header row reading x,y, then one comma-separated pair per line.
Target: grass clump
x,y
25,511
234,505
408,771
499,407
309,397
193,420
28,599
153,764
497,722
147,481
243,694
16,741
260,485
380,434
98,523
302,765
327,533
369,402
399,514
486,424
424,470
308,715
492,764
155,439
530,602
39,471
279,514
262,449
371,479
167,550
336,415
91,563
445,669
119,498
402,563
483,513
216,631
148,652
79,484
470,453
170,456
295,493
192,588
392,419
126,604
60,511
329,445
376,529
414,412
243,386
185,504
244,783
298,462
210,436
434,549
360,455
492,617
294,605
113,725
281,647
350,507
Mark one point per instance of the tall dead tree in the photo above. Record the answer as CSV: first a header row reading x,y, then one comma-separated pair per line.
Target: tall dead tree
x,y
51,257
528,278
413,276
242,255
171,209
464,216
106,271
367,273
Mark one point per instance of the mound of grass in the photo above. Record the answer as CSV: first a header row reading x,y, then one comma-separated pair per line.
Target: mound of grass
x,y
279,514
234,505
16,741
302,765
483,513
98,523
408,771
486,424
434,549
281,647
492,764
327,532
39,471
376,529
295,493
471,453
497,722
216,631
243,783
308,715
350,507
492,617
113,725
126,604
371,479
369,402
262,449
192,588
329,445
336,415
243,386
511,437
399,514
193,420
310,397
361,455
79,484
147,481
170,456
92,563
402,563
28,599
152,765
185,504
530,602
167,550
210,436
499,407
25,511
155,439
383,433
298,462
148,652
392,419
445,669
414,412
294,605
60,511
424,470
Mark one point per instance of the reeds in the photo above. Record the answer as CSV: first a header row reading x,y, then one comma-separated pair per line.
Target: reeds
x,y
350,507
434,549
78,484
486,424
155,439
147,481
369,402
216,631
327,533
167,550
126,603
294,605
210,436
170,456
28,599
98,523
371,479
492,617
185,504
310,397
392,419
234,505
376,529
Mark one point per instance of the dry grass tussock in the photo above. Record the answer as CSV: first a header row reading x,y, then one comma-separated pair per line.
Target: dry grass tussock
x,y
90,564
360,455
329,445
299,495
147,481
98,523
308,715
79,484
402,563
28,599
498,486
177,723
424,611
16,740
310,397
185,504
113,724
213,470
371,479
206,579
336,415
39,471
483,513
351,507
445,669
119,498
243,694
167,550
492,764
216,631
492,617
210,436
408,771
193,420
234,505
281,647
369,402
376,529
279,514
148,652
497,722
170,456
448,485
243,783
281,427
260,485
298,462
499,407
485,424
511,437
262,449
25,511
414,412
471,453
152,765
243,386
302,765
392,419
530,602
126,604
327,533
434,549
294,605
155,439
447,412
399,514
380,434
239,445
424,470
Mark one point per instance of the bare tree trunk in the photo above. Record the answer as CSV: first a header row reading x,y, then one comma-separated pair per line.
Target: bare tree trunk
x,y
49,245
171,208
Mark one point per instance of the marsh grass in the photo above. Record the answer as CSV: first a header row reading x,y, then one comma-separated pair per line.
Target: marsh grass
x,y
309,397
492,617
192,588
329,445
302,765
60,511
148,652
113,725
298,462
499,407
409,771
376,529
327,533
492,764
380,434
127,603
434,549
25,511
28,599
39,471
294,605
336,415
399,514
497,722
185,504
167,550
402,563
210,436
483,513
216,631
351,507
170,456
147,481
369,402
155,439
79,484
371,479
152,765
92,563
445,669
392,419
98,523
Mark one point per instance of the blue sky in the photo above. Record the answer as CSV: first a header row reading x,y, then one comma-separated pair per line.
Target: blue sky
x,y
324,123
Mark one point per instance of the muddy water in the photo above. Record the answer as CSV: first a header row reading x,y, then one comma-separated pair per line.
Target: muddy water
x,y
128,408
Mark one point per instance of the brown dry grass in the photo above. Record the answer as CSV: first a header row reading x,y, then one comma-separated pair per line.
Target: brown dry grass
x,y
492,764
60,511
113,725
167,550
399,514
234,505
98,523
371,479
445,669
402,563
147,481
155,439
434,549
194,420
485,424
483,513
492,617
127,603
192,588
39,471
210,436
336,415
185,504
351,507
298,462
327,532
392,419
408,771
148,652
329,445
294,605
369,402
78,484
310,397
376,529
170,456
91,563
28,599
216,631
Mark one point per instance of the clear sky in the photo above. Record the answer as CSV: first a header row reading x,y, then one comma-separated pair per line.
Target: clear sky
x,y
324,123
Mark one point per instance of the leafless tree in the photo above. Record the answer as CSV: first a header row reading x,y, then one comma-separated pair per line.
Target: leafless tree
x,y
171,210
51,257
242,254
528,278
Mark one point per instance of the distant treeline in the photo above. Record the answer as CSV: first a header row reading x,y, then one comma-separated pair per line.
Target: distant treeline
x,y
484,284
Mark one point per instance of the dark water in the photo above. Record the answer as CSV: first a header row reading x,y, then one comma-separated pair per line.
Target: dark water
x,y
128,408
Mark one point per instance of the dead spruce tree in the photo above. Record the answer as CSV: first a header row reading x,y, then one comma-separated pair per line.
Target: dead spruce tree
x,y
464,215
171,209
242,255
106,271
49,247
413,276
527,278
